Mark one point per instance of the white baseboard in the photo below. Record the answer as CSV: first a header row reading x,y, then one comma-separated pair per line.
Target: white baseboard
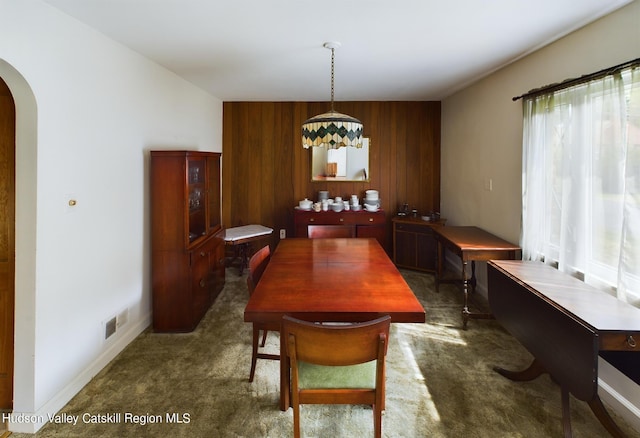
x,y
620,393
59,401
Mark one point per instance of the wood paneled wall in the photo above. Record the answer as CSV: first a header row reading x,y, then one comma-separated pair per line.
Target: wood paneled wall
x,y
266,171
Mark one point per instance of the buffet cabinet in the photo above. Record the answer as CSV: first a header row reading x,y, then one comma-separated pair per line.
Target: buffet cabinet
x,y
366,223
187,252
414,243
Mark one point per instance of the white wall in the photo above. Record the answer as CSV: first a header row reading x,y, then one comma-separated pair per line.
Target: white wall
x,y
482,133
88,111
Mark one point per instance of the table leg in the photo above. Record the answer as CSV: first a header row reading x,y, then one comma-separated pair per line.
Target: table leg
x,y
473,276
241,251
533,371
465,287
439,267
285,369
536,369
566,413
469,288
244,256
605,419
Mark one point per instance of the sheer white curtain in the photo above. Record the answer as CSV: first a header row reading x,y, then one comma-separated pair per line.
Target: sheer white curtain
x,y
581,179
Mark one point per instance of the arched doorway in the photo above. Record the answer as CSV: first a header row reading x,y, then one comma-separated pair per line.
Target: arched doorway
x,y
25,199
7,244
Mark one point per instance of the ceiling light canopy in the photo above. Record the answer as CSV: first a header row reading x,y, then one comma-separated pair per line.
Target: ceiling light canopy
x,y
332,129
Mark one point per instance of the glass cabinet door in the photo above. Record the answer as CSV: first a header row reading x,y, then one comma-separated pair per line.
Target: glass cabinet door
x,y
197,198
213,177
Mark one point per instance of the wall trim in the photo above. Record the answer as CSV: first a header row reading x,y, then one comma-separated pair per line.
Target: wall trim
x,y
59,401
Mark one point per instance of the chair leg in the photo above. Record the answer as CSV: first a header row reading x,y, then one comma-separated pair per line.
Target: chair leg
x,y
264,337
254,352
296,420
377,421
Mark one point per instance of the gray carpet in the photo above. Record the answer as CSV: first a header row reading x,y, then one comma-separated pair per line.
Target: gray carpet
x,y
440,383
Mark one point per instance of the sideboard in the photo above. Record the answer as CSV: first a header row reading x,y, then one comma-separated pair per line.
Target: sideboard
x,y
414,243
366,223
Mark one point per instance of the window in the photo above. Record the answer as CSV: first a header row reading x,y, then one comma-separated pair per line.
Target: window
x,y
581,181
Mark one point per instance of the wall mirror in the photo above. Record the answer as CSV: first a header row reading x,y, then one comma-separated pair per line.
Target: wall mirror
x,y
342,164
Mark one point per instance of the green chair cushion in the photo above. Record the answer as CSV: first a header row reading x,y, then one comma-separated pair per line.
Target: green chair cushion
x,y
353,376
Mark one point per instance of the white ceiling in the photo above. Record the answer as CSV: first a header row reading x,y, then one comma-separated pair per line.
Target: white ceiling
x,y
271,50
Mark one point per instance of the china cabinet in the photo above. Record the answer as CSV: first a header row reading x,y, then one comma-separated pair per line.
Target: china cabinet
x,y
414,243
187,251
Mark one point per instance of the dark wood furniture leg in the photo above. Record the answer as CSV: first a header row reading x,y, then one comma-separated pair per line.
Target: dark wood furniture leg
x,y
605,419
285,379
469,288
566,413
440,262
244,256
466,314
241,252
533,371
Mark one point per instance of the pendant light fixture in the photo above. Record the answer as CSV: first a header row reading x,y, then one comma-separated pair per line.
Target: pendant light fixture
x,y
332,129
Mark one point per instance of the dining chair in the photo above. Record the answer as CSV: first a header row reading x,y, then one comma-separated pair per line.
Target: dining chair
x,y
336,364
257,264
328,231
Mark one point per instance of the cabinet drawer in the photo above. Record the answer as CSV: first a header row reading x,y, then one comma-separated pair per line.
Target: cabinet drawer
x,y
330,218
339,218
366,218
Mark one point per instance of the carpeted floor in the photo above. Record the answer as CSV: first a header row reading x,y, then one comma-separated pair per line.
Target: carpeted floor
x,y
440,383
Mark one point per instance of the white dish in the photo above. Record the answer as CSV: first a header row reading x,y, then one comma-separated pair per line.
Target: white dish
x,y
303,209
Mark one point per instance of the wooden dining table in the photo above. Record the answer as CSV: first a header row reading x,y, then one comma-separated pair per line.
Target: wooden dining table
x,y
330,280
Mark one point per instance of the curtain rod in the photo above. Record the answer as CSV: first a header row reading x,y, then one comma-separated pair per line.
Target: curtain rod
x,y
575,81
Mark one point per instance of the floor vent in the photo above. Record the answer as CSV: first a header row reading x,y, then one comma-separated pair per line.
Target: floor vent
x,y
110,328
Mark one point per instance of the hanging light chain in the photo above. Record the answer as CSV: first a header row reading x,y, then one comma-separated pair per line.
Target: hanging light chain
x,y
333,50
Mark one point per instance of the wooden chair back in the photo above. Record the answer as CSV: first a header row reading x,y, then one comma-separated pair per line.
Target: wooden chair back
x,y
336,346
257,264
328,231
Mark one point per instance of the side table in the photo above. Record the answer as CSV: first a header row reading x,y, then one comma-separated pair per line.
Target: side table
x,y
241,238
471,244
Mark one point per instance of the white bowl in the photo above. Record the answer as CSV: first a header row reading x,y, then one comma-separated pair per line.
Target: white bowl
x,y
337,206
370,207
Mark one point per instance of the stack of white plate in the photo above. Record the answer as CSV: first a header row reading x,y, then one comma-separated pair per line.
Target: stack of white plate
x,y
371,200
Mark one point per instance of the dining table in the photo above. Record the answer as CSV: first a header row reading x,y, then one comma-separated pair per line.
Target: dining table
x,y
330,280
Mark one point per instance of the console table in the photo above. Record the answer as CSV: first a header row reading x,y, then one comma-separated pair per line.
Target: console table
x,y
470,244
366,223
564,323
